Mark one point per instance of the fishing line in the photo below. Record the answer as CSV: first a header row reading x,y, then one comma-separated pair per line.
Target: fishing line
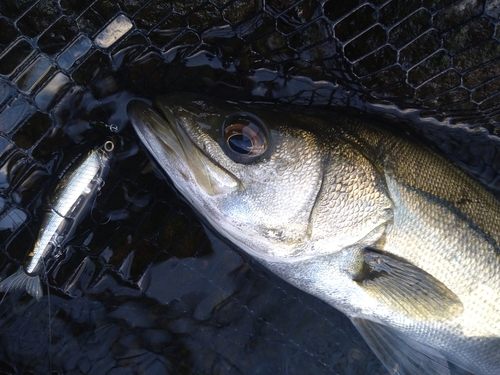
x,y
49,316
94,204
3,297
30,232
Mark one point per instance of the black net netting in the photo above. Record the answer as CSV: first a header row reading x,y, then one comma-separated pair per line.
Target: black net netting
x,y
144,287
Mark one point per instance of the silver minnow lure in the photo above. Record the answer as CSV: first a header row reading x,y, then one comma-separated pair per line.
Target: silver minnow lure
x,y
64,210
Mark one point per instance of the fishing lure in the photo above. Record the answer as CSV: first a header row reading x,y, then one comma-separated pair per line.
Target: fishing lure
x,y
64,210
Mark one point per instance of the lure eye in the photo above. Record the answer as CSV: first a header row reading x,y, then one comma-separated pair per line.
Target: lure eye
x,y
245,139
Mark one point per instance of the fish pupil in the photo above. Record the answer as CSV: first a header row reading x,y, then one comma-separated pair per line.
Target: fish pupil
x,y
240,143
244,138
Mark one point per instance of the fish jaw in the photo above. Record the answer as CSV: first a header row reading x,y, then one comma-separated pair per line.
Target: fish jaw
x,y
174,150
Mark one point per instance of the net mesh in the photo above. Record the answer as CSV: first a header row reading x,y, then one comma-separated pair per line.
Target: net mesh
x,y
67,70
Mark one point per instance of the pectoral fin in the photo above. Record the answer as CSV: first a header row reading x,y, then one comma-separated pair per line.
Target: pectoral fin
x,y
407,288
401,355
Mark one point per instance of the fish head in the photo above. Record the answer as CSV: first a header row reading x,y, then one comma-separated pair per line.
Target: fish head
x,y
254,180
256,173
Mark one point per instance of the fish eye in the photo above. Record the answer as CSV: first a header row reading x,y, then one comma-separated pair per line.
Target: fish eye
x,y
244,138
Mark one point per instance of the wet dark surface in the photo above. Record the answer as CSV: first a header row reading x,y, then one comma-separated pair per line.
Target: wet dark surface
x,y
144,287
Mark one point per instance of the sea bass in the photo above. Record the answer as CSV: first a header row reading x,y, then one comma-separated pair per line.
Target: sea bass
x,y
397,237
66,207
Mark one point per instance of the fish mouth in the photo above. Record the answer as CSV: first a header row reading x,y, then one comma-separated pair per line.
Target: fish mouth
x,y
186,164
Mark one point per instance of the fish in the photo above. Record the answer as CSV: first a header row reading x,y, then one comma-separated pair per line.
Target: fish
x,y
69,203
369,220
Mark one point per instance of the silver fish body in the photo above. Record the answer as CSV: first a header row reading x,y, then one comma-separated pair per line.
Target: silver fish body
x,y
382,228
68,204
